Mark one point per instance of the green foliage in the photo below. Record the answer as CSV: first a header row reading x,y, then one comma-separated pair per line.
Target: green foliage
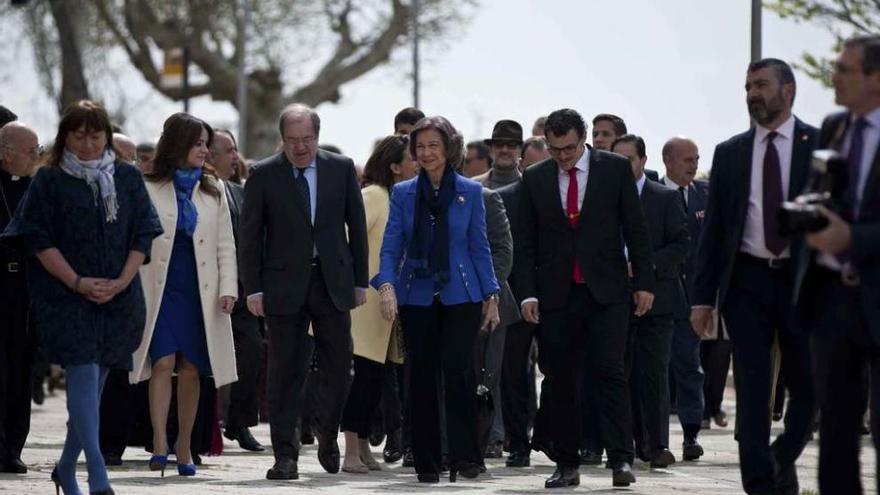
x,y
843,18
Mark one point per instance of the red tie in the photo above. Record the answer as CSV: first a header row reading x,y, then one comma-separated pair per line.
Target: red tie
x,y
573,210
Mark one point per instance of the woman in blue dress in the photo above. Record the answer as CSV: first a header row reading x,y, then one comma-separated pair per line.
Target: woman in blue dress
x,y
90,223
190,287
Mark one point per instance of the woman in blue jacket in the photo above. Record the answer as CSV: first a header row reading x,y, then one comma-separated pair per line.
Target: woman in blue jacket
x,y
437,267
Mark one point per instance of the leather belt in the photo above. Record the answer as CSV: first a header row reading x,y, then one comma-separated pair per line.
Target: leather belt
x,y
771,263
12,267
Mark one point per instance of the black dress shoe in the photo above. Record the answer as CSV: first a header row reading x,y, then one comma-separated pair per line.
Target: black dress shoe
x,y
494,451
428,477
14,466
590,458
468,469
376,439
197,459
112,459
786,479
392,452
284,469
306,437
662,458
546,447
691,450
244,438
408,460
623,475
563,477
518,459
328,453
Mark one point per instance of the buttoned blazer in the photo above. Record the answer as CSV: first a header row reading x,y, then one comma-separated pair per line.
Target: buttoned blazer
x,y
277,236
471,272
546,245
214,249
729,189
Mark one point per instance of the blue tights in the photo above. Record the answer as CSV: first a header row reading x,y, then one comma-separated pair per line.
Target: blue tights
x,y
84,385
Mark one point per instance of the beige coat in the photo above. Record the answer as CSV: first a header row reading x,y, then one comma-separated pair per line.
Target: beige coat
x,y
369,330
215,256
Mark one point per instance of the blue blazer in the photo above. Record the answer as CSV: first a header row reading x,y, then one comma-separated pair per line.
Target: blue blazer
x,y
471,274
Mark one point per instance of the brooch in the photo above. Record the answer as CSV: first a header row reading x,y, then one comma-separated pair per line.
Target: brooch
x,y
461,200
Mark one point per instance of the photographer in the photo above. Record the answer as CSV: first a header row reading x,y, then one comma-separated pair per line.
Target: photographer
x,y
839,300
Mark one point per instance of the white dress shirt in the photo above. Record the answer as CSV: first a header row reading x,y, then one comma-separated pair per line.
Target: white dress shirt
x,y
583,172
753,233
672,185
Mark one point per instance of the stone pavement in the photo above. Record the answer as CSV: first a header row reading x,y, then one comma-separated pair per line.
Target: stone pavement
x,y
240,472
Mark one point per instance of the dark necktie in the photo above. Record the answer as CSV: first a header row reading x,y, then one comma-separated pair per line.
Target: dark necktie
x,y
305,197
854,160
683,192
573,210
772,198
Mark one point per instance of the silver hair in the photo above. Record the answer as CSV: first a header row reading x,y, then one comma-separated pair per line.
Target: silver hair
x,y
299,111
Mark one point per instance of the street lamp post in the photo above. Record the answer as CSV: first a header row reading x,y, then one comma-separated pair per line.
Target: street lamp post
x,y
415,22
756,30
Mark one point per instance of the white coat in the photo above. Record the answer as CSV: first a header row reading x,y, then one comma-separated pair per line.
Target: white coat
x,y
214,248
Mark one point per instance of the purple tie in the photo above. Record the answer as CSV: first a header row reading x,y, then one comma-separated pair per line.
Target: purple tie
x,y
772,198
854,160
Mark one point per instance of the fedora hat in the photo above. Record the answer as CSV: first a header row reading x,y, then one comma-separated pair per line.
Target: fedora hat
x,y
506,130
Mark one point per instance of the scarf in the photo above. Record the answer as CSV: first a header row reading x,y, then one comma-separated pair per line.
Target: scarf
x,y
185,180
98,174
429,246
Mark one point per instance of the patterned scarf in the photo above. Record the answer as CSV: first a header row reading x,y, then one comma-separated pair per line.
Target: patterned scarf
x,y
184,183
98,174
429,246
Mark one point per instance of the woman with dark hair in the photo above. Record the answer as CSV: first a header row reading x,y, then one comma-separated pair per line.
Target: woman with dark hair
x,y
374,342
89,221
436,264
191,286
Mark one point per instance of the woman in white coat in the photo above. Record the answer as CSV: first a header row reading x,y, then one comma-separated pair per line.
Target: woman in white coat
x,y
189,288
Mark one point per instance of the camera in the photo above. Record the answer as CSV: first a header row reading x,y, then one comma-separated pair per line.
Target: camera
x,y
826,186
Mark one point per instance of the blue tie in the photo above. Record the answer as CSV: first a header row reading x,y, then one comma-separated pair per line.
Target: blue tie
x,y
854,160
305,197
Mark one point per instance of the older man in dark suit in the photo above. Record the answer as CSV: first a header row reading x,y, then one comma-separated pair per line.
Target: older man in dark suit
x,y
650,343
743,266
839,297
681,158
304,260
571,272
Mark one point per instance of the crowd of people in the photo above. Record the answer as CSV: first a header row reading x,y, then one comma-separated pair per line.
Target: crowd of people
x,y
411,300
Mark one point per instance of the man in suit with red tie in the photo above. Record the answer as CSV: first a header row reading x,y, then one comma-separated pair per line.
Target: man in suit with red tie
x,y
743,266
571,274
839,299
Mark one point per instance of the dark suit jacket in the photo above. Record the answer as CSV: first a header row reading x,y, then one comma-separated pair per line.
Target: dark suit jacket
x,y
667,228
235,199
501,245
725,219
698,196
510,195
276,234
545,244
865,249
652,175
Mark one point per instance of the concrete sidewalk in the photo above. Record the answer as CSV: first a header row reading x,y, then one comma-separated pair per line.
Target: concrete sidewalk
x,y
237,471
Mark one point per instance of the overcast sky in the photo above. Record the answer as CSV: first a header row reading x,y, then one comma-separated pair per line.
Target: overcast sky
x,y
671,67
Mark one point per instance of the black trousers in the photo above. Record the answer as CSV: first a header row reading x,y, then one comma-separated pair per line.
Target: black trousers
x,y
366,390
715,357
842,347
440,346
757,309
16,359
586,329
117,416
648,355
515,384
244,394
391,404
289,360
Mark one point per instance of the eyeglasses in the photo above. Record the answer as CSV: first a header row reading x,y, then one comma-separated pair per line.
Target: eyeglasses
x,y
505,144
565,149
305,140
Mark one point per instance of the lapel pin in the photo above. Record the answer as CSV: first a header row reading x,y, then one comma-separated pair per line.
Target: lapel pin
x,y
804,137
461,200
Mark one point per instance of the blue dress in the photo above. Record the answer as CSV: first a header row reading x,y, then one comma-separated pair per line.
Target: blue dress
x,y
180,326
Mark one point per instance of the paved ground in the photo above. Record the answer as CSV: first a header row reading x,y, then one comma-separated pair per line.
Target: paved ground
x,y
237,471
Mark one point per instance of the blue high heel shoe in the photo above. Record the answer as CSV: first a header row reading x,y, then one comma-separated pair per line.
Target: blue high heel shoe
x,y
158,462
186,469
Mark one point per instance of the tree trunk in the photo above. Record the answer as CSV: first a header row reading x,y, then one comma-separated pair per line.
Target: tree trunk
x,y
73,80
264,107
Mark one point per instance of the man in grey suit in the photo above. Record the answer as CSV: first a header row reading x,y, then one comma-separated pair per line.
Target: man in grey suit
x,y
304,260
